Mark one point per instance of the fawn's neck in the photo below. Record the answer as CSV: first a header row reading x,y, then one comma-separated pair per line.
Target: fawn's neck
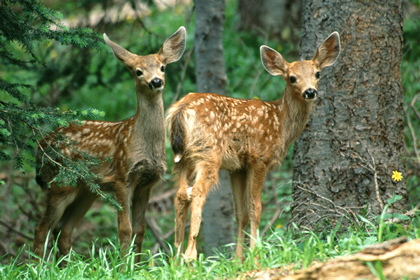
x,y
149,130
295,115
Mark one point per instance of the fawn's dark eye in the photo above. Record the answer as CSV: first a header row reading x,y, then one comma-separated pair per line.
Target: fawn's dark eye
x,y
162,68
292,79
138,72
317,75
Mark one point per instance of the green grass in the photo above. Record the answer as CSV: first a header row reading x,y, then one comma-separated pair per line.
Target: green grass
x,y
293,249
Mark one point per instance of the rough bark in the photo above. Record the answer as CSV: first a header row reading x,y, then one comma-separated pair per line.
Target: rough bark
x,y
211,77
394,260
344,160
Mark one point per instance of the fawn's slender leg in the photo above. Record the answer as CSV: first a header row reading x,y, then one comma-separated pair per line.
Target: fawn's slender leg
x,y
182,203
239,190
207,176
255,183
140,202
57,201
72,216
122,196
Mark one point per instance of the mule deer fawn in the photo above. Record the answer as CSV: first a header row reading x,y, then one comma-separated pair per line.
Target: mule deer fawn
x,y
136,147
247,138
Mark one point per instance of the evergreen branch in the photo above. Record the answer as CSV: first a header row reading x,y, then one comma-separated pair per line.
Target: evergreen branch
x,y
86,175
13,89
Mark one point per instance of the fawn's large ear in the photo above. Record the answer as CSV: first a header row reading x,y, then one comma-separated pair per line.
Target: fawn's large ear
x,y
328,51
273,61
122,54
174,46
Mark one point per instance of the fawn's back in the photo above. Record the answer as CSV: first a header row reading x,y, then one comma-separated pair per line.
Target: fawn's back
x,y
238,129
104,140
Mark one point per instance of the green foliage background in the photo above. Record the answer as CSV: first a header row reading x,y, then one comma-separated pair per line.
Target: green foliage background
x,y
49,76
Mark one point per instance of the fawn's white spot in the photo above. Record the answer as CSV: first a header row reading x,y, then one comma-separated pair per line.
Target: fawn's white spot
x,y
189,193
177,158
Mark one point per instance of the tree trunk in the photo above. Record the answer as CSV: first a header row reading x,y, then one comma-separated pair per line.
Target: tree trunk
x,y
344,160
211,77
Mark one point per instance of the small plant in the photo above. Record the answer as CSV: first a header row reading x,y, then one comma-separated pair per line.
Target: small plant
x,y
376,268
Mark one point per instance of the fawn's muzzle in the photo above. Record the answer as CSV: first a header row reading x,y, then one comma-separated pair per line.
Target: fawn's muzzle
x,y
310,93
156,83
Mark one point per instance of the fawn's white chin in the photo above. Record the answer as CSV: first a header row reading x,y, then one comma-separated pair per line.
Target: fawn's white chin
x,y
158,89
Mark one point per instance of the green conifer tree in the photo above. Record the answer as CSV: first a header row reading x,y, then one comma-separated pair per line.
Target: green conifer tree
x,y
24,26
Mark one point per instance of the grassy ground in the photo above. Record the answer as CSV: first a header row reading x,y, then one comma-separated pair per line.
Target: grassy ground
x,y
281,250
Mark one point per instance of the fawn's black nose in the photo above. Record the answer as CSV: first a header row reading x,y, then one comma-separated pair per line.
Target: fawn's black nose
x,y
310,93
156,83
